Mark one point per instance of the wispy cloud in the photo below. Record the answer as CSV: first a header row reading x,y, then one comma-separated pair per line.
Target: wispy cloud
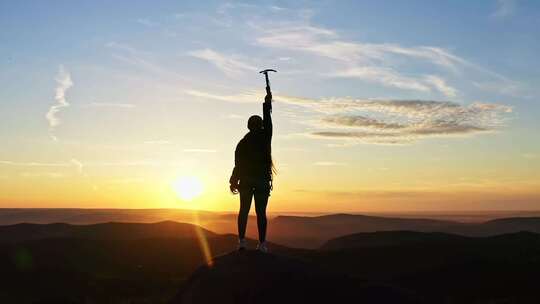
x,y
385,76
228,64
79,165
157,142
198,150
405,121
367,61
328,43
246,96
144,61
147,22
127,180
233,116
328,164
502,86
64,82
34,164
72,163
530,155
504,8
361,121
108,105
421,68
441,85
388,121
42,174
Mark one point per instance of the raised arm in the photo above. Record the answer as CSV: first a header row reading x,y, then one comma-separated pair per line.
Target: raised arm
x,y
267,114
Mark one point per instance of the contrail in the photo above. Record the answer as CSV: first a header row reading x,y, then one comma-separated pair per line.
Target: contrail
x,y
64,82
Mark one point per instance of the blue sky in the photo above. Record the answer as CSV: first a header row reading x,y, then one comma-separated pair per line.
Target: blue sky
x,y
365,86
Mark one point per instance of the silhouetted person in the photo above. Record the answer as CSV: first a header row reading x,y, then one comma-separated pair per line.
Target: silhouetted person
x,y
252,173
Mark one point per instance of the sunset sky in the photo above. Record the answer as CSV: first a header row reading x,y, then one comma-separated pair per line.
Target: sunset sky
x,y
379,106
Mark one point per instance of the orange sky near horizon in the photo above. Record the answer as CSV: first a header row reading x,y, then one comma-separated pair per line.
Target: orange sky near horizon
x,y
109,106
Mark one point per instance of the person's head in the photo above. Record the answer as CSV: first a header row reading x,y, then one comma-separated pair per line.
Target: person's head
x,y
255,123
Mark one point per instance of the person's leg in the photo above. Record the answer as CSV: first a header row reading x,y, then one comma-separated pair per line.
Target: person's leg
x,y
246,195
261,201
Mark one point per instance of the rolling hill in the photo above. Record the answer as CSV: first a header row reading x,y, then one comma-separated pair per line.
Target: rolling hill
x,y
154,263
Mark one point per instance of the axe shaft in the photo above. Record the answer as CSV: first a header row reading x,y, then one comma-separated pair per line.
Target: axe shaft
x,y
265,72
267,82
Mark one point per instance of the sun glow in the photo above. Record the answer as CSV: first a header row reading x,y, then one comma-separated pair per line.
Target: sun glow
x,y
187,188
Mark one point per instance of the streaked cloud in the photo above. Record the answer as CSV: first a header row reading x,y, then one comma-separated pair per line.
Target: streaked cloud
x,y
127,180
157,142
441,85
72,163
385,76
502,86
147,22
78,165
108,105
360,121
228,64
198,150
327,43
369,62
34,164
233,116
42,174
64,82
530,155
247,96
328,163
387,121
504,8
421,68
405,121
145,61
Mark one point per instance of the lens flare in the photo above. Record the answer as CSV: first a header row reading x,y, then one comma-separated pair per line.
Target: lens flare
x,y
203,241
187,188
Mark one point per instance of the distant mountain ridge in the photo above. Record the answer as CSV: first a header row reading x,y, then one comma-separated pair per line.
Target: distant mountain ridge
x,y
312,232
388,239
103,231
382,239
10,216
291,231
151,263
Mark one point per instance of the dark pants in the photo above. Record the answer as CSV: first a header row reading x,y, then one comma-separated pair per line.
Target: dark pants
x,y
260,190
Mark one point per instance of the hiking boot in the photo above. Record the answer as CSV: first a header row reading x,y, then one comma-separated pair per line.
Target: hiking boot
x,y
262,247
242,244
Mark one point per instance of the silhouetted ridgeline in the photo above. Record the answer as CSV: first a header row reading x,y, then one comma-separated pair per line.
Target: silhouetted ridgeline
x,y
292,231
94,216
312,232
389,239
105,231
150,263
444,268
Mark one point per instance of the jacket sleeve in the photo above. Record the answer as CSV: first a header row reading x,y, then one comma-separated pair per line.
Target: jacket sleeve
x,y
267,119
234,176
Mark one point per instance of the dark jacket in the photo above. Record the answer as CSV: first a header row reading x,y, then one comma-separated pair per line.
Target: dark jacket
x,y
253,155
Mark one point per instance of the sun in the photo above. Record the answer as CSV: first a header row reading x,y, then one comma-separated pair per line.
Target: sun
x,y
187,187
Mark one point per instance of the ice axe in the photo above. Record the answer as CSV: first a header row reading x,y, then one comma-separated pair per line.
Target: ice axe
x,y
265,72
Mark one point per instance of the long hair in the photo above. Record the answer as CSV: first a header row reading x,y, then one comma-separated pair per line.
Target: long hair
x,y
273,170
